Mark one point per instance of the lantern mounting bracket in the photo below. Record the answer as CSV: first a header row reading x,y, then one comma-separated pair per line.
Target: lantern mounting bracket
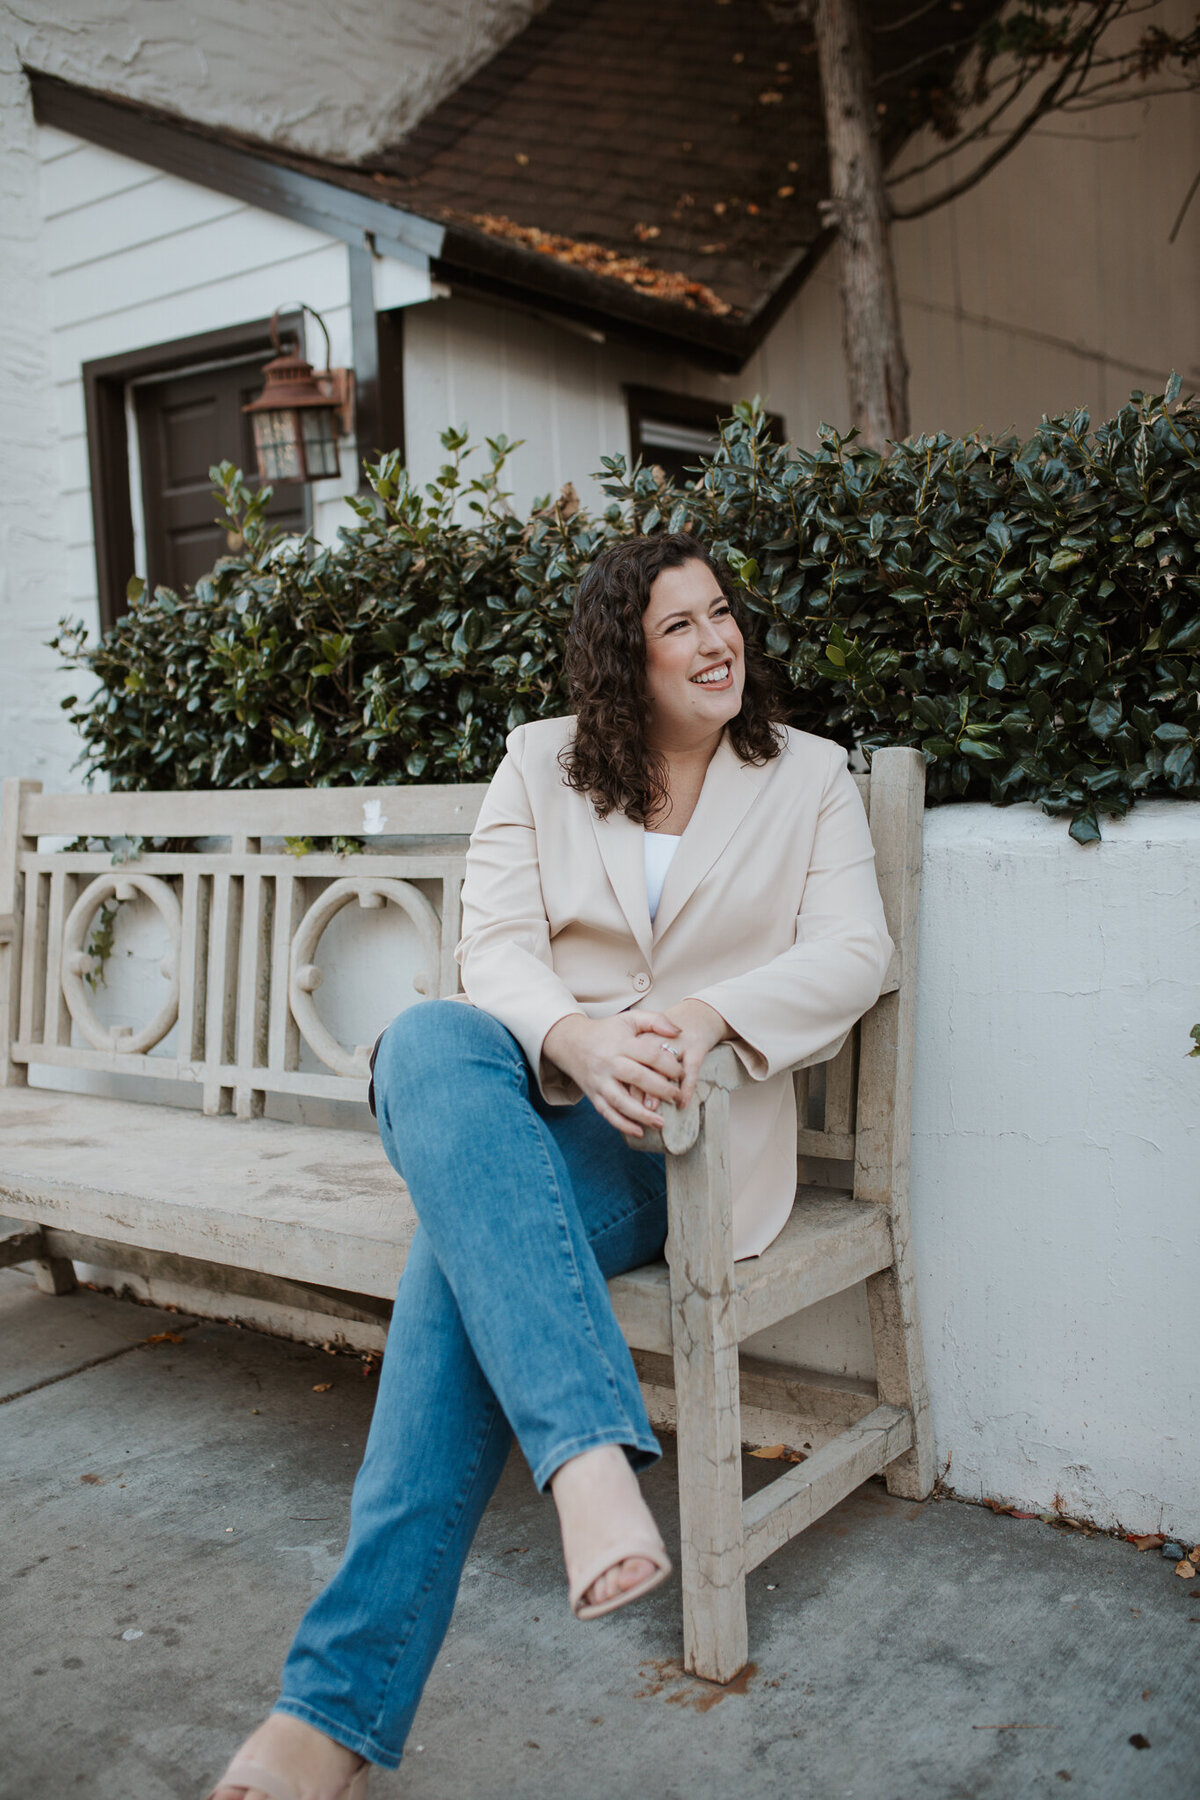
x,y
338,382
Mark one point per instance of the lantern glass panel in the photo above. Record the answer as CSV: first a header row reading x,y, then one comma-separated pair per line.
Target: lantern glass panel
x,y
276,440
320,441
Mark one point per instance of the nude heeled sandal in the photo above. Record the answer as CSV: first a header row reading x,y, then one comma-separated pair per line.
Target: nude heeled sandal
x,y
244,1773
622,1550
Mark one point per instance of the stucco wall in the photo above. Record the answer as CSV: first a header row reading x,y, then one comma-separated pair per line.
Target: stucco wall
x,y
1055,1165
333,80
33,735
1056,1159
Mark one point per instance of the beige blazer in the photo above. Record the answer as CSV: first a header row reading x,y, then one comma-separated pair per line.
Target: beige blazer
x,y
770,912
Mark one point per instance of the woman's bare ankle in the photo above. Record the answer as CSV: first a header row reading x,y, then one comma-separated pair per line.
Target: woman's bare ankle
x,y
605,1462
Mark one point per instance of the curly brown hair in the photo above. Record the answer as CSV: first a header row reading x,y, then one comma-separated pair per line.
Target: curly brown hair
x,y
609,759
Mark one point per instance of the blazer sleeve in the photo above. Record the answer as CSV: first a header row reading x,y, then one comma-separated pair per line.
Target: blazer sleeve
x,y
799,1006
504,952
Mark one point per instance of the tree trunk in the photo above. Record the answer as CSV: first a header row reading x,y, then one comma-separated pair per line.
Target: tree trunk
x,y
859,209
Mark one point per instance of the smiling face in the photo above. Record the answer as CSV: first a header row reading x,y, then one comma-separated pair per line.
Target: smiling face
x,y
695,666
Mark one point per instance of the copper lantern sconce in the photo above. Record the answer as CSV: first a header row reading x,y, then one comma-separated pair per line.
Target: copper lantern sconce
x,y
301,412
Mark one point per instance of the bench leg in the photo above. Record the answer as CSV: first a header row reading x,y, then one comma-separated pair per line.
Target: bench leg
x,y
900,1368
715,1642
881,1175
713,1572
55,1274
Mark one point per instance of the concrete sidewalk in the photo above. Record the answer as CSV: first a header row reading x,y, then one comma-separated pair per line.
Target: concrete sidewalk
x,y
170,1507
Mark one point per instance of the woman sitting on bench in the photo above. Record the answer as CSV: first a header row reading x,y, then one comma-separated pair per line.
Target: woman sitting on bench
x,y
668,869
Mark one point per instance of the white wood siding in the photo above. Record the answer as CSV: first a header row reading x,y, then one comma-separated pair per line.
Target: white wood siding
x,y
496,369
134,258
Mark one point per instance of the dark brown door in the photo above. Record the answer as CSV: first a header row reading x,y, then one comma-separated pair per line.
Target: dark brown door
x,y
186,423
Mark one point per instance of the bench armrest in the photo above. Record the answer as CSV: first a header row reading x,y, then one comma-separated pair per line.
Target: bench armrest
x,y
721,1069
680,1129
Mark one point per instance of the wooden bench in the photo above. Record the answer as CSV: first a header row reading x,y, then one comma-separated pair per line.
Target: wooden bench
x,y
244,1203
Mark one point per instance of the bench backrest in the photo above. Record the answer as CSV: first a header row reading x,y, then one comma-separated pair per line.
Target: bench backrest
x,y
244,918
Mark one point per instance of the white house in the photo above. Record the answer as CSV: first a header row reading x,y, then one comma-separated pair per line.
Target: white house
x,y
587,225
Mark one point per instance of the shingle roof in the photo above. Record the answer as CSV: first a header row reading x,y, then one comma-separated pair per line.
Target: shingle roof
x,y
668,132
682,138
653,166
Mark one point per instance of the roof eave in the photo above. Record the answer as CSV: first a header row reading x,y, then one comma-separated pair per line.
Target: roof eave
x,y
474,261
242,169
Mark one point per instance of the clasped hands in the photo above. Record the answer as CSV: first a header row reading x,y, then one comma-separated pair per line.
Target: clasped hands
x,y
636,1062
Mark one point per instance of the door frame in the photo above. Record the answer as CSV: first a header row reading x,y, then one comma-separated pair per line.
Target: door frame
x,y
104,383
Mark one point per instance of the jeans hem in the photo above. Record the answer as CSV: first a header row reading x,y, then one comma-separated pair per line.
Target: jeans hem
x,y
643,1446
349,1737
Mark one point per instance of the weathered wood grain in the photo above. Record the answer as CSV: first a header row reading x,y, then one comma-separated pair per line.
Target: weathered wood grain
x,y
258,812
881,1173
792,1501
319,1206
830,1243
704,1340
14,799
20,1244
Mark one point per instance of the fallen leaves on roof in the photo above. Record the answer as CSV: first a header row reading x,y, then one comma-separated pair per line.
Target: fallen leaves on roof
x,y
661,284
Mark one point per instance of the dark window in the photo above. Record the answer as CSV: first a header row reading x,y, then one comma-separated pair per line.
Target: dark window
x,y
185,424
677,430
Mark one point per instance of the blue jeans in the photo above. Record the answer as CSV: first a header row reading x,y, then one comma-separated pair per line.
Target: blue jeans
x,y
502,1326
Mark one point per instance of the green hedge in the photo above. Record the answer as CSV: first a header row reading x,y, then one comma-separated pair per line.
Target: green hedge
x,y
1028,613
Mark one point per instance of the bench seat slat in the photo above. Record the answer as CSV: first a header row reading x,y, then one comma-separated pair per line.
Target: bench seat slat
x,y
323,1205
830,1242
318,1205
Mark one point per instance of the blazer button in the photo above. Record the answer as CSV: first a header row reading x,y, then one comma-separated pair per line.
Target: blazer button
x,y
641,982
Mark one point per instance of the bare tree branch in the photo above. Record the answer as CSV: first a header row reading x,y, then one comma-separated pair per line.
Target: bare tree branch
x,y
979,131
1088,104
939,53
1074,70
1036,58
911,18
1042,106
1191,195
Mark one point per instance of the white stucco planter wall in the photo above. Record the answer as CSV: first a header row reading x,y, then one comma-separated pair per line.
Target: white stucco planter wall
x,y
1056,1159
1055,1155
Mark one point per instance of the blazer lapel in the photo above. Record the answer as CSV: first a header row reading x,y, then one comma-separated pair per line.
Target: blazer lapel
x,y
730,789
620,843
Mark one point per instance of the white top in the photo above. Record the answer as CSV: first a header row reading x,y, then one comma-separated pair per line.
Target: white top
x,y
660,848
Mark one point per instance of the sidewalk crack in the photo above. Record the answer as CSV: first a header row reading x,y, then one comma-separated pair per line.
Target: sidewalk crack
x,y
94,1362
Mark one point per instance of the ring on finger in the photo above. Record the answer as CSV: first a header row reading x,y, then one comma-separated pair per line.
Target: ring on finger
x,y
671,1051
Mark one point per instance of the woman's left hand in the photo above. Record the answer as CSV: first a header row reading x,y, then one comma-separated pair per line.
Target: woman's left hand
x,y
701,1029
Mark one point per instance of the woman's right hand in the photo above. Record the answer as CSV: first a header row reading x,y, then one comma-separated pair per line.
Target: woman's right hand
x,y
620,1064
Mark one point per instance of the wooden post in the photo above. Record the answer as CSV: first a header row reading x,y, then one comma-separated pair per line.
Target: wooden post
x,y
253,985
12,919
881,1167
220,1007
703,1328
